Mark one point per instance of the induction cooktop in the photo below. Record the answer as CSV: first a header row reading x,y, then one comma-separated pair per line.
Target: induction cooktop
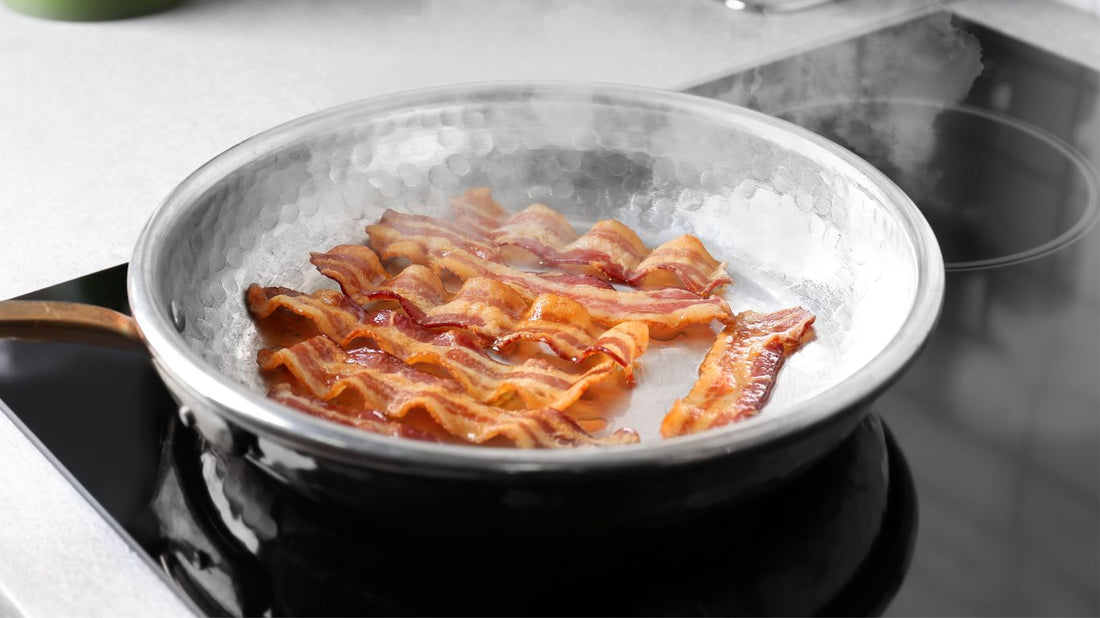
x,y
991,440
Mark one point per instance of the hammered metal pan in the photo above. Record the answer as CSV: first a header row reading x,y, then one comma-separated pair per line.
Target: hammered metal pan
x,y
799,220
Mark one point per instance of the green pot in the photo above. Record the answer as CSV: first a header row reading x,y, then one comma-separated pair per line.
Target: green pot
x,y
89,10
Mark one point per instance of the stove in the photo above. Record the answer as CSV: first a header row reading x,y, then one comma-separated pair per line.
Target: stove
x,y
991,439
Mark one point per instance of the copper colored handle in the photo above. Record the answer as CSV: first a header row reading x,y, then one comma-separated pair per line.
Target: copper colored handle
x,y
50,320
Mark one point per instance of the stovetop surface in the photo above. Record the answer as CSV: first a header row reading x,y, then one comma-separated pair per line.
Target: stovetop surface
x,y
998,419
237,543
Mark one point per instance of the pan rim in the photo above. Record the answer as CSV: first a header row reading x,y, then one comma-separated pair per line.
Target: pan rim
x,y
251,410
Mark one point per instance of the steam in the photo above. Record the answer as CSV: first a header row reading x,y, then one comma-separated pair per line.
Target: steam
x,y
850,92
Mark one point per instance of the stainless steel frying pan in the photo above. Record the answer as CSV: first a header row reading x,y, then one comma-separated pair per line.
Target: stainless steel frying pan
x,y
799,220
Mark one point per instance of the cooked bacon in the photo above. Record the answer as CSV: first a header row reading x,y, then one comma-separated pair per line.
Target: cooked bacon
x,y
332,312
559,322
688,259
665,311
609,246
416,288
536,382
395,228
382,381
354,267
367,420
389,382
538,229
737,375
483,306
431,358
613,249
498,314
565,326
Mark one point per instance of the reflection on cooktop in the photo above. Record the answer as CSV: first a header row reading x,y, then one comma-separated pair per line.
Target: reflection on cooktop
x,y
835,540
996,190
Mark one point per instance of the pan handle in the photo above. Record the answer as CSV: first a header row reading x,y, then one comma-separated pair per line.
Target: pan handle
x,y
51,320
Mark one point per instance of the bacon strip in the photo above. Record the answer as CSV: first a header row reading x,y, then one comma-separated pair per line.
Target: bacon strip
x,y
354,267
398,228
565,326
331,312
384,382
665,311
609,246
417,289
687,258
737,375
536,382
499,314
367,420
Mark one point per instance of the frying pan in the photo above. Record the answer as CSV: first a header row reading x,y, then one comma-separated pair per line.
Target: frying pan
x,y
798,219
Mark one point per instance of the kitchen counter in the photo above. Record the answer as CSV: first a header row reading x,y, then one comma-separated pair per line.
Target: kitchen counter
x,y
98,121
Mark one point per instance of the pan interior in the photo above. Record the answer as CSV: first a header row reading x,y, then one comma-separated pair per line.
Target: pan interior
x,y
796,223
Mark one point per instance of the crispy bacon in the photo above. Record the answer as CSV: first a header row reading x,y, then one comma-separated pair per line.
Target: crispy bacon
x,y
384,382
609,246
396,228
737,375
486,307
504,289
500,315
688,259
367,420
416,288
665,311
565,326
354,267
538,229
330,311
535,381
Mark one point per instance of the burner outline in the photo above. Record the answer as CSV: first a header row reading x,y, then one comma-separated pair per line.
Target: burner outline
x,y
1089,215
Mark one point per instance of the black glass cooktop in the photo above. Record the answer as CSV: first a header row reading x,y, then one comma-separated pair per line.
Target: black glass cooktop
x,y
236,543
992,436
